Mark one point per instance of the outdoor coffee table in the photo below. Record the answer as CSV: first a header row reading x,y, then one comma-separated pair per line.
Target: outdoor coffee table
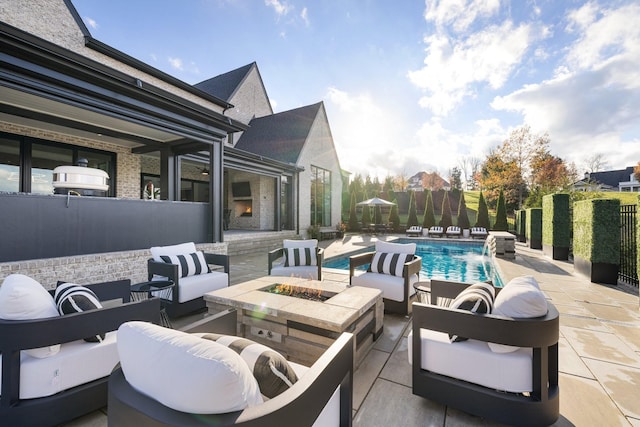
x,y
299,328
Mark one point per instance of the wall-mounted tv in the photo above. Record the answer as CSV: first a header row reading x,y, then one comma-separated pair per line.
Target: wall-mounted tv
x,y
241,189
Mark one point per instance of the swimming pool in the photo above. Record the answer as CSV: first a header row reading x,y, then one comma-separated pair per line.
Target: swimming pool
x,y
441,259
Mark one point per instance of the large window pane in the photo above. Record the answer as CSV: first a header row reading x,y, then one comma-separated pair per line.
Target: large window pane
x,y
44,159
9,165
320,196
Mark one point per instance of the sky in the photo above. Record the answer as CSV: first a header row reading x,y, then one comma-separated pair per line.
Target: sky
x,y
411,85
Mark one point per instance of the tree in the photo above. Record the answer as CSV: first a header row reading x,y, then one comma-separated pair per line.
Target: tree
x,y
595,163
413,215
463,215
496,175
446,220
454,178
429,218
501,214
394,218
366,213
470,166
400,182
636,172
482,219
353,218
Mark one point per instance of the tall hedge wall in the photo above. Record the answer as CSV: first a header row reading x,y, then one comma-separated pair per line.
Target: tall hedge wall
x,y
556,227
534,228
596,230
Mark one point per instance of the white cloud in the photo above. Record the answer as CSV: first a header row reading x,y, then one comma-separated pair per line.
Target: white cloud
x,y
305,16
459,14
90,22
280,7
176,63
453,66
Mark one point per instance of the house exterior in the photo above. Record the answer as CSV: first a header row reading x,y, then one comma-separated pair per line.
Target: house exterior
x,y
615,180
427,180
168,148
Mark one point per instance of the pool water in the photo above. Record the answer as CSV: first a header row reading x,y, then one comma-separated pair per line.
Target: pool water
x,y
441,259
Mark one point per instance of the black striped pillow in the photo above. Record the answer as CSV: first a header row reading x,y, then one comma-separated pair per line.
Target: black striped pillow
x,y
270,369
71,298
476,298
189,264
300,256
388,263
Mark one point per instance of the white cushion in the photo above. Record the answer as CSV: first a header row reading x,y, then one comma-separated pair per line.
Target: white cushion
x,y
294,257
23,298
193,287
303,271
521,298
181,249
71,298
292,243
476,298
396,248
189,264
77,362
474,362
392,287
185,372
388,263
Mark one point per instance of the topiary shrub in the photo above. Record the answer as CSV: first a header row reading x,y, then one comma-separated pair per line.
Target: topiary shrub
x,y
521,225
501,223
556,227
353,217
413,214
534,228
463,215
446,219
366,213
394,217
429,218
482,219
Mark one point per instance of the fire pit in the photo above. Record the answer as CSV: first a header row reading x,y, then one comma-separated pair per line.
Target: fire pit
x,y
312,294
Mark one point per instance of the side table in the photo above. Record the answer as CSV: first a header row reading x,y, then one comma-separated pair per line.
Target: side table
x,y
423,292
143,290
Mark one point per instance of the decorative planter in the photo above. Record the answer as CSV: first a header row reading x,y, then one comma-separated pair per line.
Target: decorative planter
x,y
597,272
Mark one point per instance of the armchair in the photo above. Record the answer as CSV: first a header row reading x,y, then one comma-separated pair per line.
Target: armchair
x,y
395,278
72,382
518,386
294,260
189,270
322,396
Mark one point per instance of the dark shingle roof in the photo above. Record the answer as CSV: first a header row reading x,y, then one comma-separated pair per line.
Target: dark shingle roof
x,y
611,178
280,136
224,85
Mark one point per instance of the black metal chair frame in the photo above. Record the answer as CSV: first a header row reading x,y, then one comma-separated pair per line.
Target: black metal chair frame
x,y
276,254
300,405
174,307
410,268
540,407
19,335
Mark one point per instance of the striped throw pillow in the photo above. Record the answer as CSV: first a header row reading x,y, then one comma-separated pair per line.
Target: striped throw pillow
x,y
270,369
71,298
388,263
188,264
476,298
300,256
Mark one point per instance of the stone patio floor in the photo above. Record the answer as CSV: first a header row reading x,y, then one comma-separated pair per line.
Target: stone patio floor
x,y
599,349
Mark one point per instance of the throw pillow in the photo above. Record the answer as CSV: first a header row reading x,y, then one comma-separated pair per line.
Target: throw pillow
x,y
388,263
71,298
300,256
476,298
521,298
188,264
270,368
23,298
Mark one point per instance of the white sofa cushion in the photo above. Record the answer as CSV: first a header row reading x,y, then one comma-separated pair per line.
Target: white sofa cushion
x,y
181,249
392,287
185,372
473,361
303,271
193,287
77,362
23,298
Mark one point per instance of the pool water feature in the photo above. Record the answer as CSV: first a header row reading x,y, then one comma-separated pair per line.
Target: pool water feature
x,y
442,259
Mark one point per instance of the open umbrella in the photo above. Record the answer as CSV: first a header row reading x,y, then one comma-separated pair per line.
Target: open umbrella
x,y
376,201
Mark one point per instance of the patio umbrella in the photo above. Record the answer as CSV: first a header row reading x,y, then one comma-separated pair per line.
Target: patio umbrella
x,y
376,201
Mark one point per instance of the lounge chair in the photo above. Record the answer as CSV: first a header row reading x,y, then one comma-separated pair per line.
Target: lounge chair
x,y
414,230
296,258
436,231
453,231
478,232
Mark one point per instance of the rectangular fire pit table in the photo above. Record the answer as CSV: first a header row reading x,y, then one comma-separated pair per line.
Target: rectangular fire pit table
x,y
299,328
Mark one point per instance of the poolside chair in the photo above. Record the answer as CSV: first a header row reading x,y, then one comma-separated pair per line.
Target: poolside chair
x,y
296,258
453,231
506,366
435,231
478,232
393,268
216,386
414,230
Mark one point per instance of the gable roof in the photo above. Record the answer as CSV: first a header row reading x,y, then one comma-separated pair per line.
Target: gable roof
x,y
280,136
611,178
225,85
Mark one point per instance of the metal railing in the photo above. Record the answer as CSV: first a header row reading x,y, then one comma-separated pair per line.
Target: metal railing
x,y
628,271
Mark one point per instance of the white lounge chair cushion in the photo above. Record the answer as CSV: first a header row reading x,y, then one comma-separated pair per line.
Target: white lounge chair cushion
x,y
185,372
295,257
303,271
474,362
189,264
395,248
521,298
181,249
389,263
292,243
23,298
193,287
392,287
77,362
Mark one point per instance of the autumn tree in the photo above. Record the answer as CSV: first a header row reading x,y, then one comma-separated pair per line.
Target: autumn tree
x,y
400,182
549,175
636,172
429,218
497,174
413,213
446,220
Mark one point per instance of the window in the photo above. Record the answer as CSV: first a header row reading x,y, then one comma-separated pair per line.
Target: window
x,y
26,164
320,196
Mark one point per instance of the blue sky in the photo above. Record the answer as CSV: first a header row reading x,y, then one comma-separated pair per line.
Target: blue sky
x,y
412,85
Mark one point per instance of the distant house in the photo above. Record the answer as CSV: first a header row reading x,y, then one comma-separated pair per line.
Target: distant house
x,y
615,180
429,181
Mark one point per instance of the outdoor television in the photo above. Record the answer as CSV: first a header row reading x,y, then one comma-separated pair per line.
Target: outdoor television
x,y
241,189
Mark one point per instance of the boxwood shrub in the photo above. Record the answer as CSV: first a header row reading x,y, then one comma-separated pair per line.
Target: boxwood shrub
x,y
596,230
534,224
556,226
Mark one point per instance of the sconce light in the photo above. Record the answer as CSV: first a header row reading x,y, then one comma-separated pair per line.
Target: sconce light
x,y
205,172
